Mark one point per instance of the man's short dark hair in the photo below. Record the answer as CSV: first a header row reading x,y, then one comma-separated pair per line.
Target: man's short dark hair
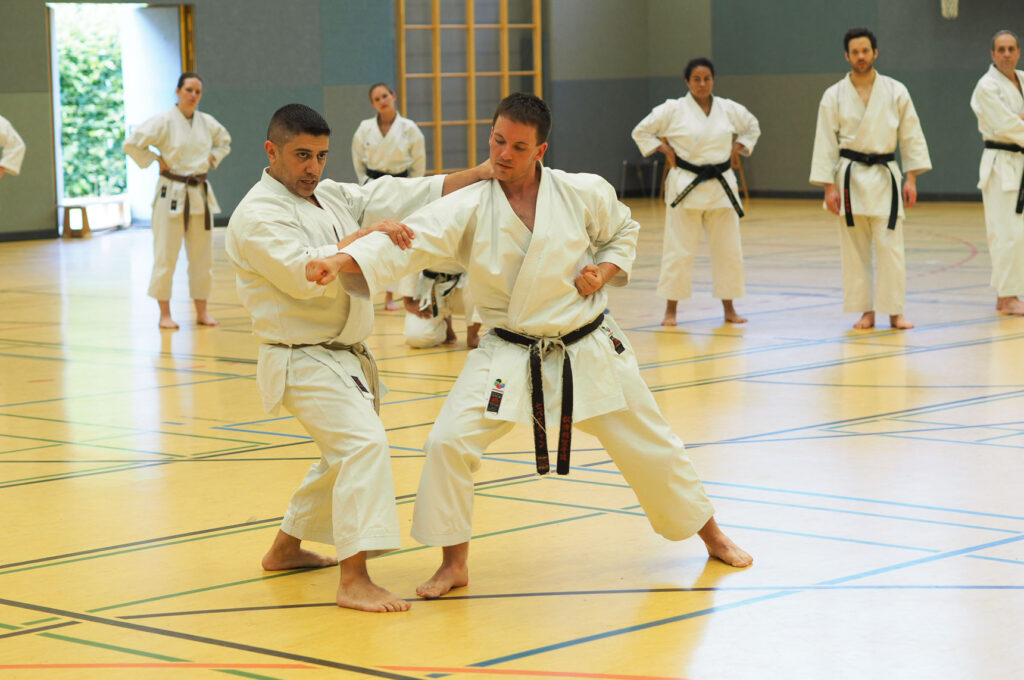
x,y
186,75
859,33
1005,32
528,109
295,119
694,63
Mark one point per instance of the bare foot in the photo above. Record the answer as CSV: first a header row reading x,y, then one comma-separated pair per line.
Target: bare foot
x,y
898,321
1010,305
867,320
670,314
731,316
367,596
449,333
453,572
295,559
389,302
165,315
669,321
287,553
473,336
721,546
203,317
168,322
446,577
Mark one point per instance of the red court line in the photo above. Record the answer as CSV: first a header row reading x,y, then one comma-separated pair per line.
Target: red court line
x,y
524,673
972,253
171,664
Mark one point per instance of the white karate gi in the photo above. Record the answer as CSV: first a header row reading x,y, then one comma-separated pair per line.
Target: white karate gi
x,y
13,146
523,282
998,104
844,122
450,298
700,139
347,498
186,147
401,149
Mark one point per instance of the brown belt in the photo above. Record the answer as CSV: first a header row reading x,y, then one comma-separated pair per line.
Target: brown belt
x,y
191,181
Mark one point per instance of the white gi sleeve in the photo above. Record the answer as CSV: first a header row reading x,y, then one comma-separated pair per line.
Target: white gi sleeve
x,y
153,132
994,114
913,148
647,133
825,156
221,140
748,130
271,249
612,230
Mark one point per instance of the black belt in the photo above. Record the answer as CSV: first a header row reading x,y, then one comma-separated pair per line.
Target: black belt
x,y
192,181
870,159
440,277
376,174
705,173
1002,146
538,347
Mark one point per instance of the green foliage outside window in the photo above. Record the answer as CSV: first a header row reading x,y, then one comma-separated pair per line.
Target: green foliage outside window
x,y
92,101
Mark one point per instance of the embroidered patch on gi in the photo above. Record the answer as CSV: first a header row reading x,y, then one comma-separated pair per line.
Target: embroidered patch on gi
x,y
362,387
494,403
163,192
174,203
616,343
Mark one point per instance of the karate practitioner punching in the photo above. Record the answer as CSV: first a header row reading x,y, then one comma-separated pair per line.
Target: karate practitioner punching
x,y
699,135
190,144
13,148
998,103
861,119
539,245
313,360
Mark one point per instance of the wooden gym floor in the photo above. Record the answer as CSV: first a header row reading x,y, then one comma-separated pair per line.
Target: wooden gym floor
x,y
876,477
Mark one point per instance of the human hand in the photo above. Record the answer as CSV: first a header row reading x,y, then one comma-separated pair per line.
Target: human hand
x,y
400,234
413,307
323,270
910,191
163,164
670,155
832,198
2,171
589,281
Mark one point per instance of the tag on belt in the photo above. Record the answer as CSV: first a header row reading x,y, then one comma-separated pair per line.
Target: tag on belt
x,y
362,388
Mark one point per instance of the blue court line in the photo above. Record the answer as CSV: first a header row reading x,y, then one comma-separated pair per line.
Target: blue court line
x,y
955,441
915,386
922,560
864,514
1002,436
126,392
996,559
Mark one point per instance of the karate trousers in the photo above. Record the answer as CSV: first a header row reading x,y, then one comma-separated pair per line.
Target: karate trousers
x,y
855,245
168,233
348,497
638,439
682,236
1005,229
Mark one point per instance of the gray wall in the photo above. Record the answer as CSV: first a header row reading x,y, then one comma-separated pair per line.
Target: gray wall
x,y
254,55
607,63
774,56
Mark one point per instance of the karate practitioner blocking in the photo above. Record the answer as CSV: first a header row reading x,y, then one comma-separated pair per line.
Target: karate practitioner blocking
x,y
860,121
190,144
387,144
699,135
539,245
313,360
999,105
13,146
431,297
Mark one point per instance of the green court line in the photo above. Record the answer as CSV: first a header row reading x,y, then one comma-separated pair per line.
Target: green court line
x,y
74,475
125,392
562,505
88,442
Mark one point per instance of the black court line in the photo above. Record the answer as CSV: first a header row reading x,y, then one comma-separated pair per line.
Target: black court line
x,y
327,663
